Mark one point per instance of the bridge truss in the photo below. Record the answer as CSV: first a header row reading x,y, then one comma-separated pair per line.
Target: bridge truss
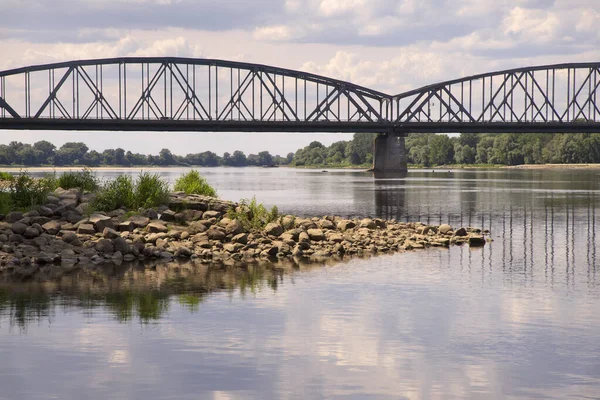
x,y
185,94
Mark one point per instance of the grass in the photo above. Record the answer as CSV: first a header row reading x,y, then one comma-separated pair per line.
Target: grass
x,y
253,215
27,192
84,180
194,183
148,190
6,176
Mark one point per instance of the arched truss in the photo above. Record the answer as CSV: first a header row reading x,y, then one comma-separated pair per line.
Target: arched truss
x,y
184,94
167,93
554,98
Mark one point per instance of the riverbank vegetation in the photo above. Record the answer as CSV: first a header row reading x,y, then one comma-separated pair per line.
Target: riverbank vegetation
x,y
421,149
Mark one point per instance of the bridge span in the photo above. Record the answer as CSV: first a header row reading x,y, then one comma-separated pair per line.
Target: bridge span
x,y
188,94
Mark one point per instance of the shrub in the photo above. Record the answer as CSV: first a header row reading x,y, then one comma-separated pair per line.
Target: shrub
x,y
150,190
115,194
27,192
6,176
84,180
194,183
6,203
253,215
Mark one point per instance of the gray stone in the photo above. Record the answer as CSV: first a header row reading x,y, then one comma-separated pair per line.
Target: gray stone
x,y
40,220
69,237
105,246
326,224
316,234
233,247
444,228
156,227
183,252
83,208
273,229
127,226
46,211
121,245
139,221
168,216
476,240
234,227
109,233
152,238
51,227
197,227
211,214
101,221
31,233
18,228
303,237
15,238
86,229
13,216
368,223
215,234
461,232
240,238
345,224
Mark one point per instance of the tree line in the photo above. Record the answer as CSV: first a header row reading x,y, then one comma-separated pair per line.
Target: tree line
x,y
421,149
77,153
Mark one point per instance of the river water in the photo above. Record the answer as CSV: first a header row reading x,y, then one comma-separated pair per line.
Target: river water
x,y
518,318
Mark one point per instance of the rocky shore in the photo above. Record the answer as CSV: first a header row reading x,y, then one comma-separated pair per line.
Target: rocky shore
x,y
65,231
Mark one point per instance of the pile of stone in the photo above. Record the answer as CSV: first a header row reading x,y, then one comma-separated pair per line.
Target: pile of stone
x,y
197,227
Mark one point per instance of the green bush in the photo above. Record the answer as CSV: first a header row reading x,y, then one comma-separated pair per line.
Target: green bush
x,y
150,190
194,183
27,192
115,194
253,215
6,176
83,180
6,203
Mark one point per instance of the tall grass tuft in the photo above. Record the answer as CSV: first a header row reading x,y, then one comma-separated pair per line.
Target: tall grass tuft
x,y
6,176
150,190
194,183
27,192
253,215
115,194
84,180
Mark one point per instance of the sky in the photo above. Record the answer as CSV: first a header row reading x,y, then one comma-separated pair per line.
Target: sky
x,y
388,45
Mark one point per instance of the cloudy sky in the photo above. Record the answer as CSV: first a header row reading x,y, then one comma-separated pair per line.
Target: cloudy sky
x,y
389,45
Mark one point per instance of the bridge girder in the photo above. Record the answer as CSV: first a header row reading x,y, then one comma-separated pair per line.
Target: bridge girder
x,y
187,94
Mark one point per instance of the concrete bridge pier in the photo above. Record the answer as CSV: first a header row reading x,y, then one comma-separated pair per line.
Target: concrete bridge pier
x,y
390,154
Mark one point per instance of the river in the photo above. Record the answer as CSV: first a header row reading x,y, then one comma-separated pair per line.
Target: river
x,y
518,318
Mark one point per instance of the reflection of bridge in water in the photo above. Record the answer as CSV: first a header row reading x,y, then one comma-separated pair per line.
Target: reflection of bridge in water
x,y
184,94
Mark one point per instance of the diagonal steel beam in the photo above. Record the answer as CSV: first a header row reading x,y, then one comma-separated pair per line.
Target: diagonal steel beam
x,y
191,90
52,94
98,96
7,107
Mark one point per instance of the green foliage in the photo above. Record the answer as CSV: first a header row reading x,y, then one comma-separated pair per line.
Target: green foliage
x,y
194,183
150,190
253,215
6,176
6,203
115,194
27,192
83,180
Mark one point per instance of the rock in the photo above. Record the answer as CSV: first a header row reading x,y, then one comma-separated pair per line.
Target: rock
x,y
288,222
368,223
86,229
215,234
121,245
303,237
155,236
197,227
127,226
234,227
46,211
444,228
156,227
335,238
183,252
101,221
211,214
168,216
109,233
83,208
52,200
40,220
233,247
165,255
460,232
105,246
51,227
316,234
339,248
476,241
240,238
13,216
273,229
117,256
139,221
31,233
346,224
326,224
18,228
69,237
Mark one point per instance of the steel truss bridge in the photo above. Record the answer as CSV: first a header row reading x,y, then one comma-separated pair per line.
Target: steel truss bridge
x,y
186,94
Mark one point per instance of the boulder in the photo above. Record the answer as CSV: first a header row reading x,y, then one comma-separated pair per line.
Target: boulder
x,y
121,245
316,234
234,227
105,246
215,234
368,223
69,237
346,224
109,233
273,229
46,211
183,252
155,227
444,228
86,229
51,227
13,216
326,224
18,228
211,214
461,232
168,216
31,233
139,221
127,226
240,238
101,221
476,240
